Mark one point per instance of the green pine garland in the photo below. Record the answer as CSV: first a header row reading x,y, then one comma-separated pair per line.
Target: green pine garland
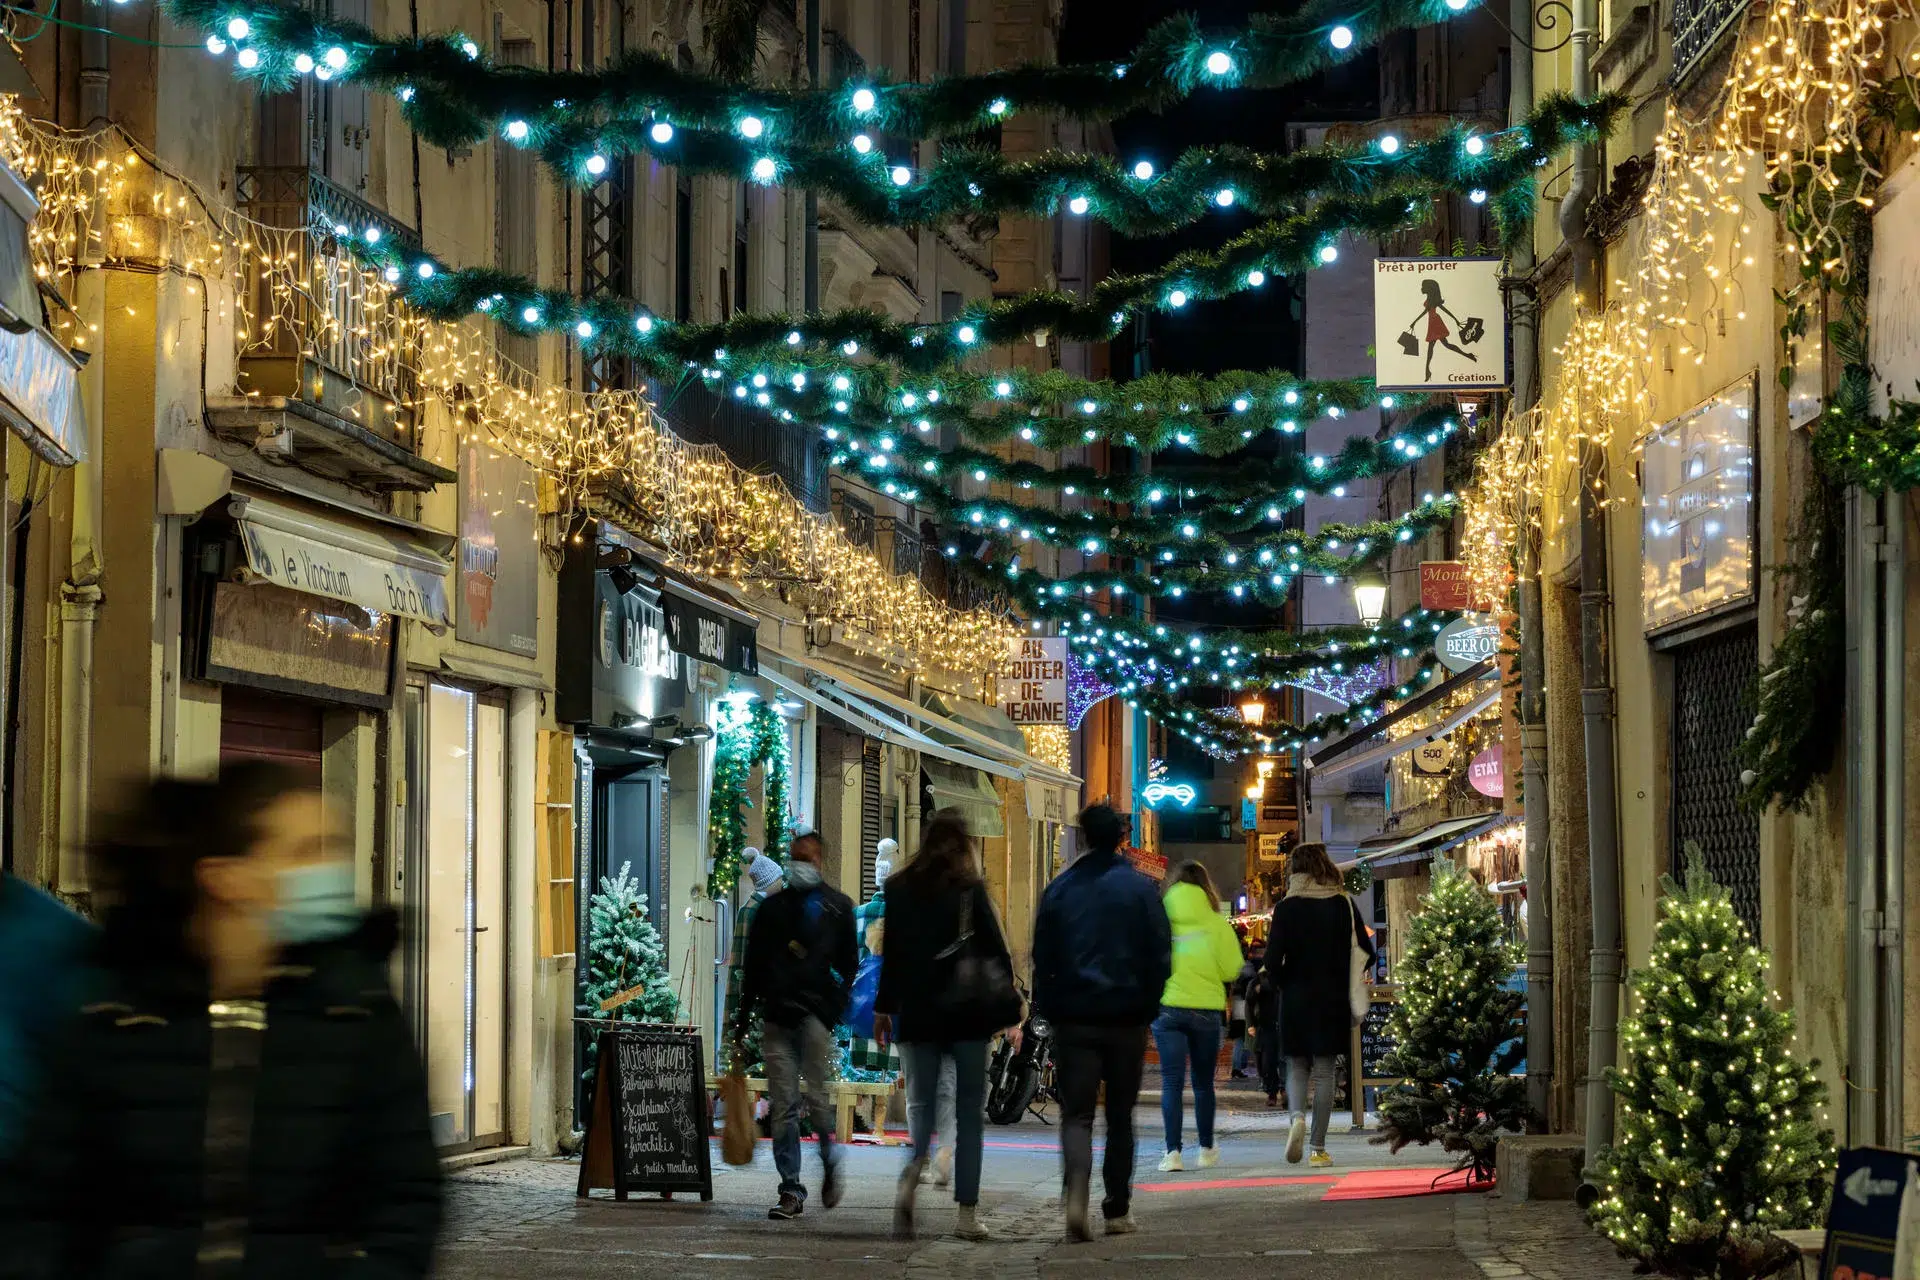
x,y
1720,1144
452,92
1458,1029
1220,732
745,735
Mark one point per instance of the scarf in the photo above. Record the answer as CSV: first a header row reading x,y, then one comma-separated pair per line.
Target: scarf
x,y
1300,886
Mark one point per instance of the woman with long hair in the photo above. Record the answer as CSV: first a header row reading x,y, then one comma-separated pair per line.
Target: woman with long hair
x,y
1431,310
241,1060
944,946
1206,957
1310,956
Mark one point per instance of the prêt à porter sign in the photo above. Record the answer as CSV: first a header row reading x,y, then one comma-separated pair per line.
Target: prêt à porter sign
x,y
1033,690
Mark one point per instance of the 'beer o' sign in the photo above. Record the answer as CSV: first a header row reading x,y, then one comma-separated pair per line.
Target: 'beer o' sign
x,y
1033,690
1467,642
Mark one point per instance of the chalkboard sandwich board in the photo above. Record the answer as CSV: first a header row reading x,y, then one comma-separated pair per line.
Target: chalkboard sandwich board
x,y
1371,1045
649,1127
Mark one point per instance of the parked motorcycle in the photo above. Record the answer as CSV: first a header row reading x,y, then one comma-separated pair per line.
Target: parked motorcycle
x,y
1018,1078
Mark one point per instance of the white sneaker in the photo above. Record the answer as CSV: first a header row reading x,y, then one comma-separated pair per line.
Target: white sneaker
x,y
1297,1139
903,1196
1172,1163
943,1166
1209,1157
967,1225
1124,1225
1077,1226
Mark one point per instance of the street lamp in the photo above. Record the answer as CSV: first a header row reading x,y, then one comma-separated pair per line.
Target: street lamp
x,y
1253,711
1370,597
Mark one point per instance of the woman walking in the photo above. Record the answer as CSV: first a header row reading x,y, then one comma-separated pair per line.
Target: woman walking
x,y
946,988
241,1062
1310,956
1206,957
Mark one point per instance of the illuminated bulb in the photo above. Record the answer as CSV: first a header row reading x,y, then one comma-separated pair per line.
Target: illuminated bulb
x,y
1223,197
1143,170
901,175
661,133
1341,37
1219,62
793,338
841,382
966,334
248,58
531,315
425,270
216,46
1477,196
337,58
1389,145
751,127
1178,298
392,274
1328,253
764,169
1256,277
516,131
643,324
302,63
596,164
373,235
864,101
469,48
238,29
1003,389
998,107
862,143
1077,205
1476,145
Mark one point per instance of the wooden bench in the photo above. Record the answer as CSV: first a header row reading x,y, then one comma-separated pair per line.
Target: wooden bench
x,y
847,1095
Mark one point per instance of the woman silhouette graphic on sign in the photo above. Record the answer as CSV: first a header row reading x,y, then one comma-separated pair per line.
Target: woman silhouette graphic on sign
x,y
1437,331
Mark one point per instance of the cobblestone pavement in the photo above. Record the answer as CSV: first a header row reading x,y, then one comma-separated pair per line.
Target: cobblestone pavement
x,y
1253,1214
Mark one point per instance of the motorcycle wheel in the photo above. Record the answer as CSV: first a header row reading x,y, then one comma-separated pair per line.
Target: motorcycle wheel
x,y
1008,1101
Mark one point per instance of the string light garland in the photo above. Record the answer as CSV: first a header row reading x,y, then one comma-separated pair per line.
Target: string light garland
x,y
1220,732
432,384
1719,1145
1158,652
746,734
611,324
452,92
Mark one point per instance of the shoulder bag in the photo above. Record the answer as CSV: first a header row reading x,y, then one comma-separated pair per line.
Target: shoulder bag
x,y
979,996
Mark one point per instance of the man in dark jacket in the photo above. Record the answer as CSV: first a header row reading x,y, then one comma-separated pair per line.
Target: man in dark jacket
x,y
1102,954
801,959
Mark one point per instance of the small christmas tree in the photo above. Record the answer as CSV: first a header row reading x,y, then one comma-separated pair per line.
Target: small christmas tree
x,y
624,951
1719,1142
1458,1029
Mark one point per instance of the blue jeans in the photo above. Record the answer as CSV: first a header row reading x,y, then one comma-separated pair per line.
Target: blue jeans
x,y
789,1054
922,1060
1180,1034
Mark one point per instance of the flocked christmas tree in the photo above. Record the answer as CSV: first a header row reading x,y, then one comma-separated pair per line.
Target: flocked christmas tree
x,y
1719,1142
624,951
1458,1028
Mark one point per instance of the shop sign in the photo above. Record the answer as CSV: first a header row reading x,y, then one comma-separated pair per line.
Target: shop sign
x,y
709,635
1488,772
1249,813
360,569
1033,690
499,566
1696,508
1869,1222
1439,324
1465,643
296,642
1179,794
1269,848
1431,758
1446,584
615,666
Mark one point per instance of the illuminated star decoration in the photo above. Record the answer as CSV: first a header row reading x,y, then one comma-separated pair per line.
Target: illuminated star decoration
x,y
1346,687
1084,688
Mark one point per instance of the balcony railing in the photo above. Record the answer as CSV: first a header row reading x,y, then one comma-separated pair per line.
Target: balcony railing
x,y
857,518
1697,28
318,330
752,438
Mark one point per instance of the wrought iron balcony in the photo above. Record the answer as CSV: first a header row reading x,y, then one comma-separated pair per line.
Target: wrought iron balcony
x,y
318,331
1697,28
752,438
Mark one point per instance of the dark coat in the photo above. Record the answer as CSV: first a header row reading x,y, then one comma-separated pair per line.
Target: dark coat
x,y
1102,945
332,1163
1309,955
922,921
801,958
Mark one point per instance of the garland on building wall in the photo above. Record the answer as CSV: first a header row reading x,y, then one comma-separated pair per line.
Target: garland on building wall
x,y
746,735
452,92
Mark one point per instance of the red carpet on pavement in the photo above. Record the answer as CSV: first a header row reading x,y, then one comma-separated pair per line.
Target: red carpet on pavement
x,y
1389,1184
1223,1184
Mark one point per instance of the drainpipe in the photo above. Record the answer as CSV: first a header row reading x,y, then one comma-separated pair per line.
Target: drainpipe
x,y
1893,764
1533,660
811,268
1603,839
80,594
1585,251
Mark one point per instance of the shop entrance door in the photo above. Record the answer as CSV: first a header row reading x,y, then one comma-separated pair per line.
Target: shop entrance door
x,y
456,898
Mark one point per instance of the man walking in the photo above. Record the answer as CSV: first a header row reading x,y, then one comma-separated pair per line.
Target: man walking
x,y
799,968
1102,953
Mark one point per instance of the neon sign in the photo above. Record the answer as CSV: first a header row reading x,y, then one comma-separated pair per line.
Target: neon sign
x,y
1181,793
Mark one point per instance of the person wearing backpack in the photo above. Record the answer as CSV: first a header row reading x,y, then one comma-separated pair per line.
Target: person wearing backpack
x,y
946,988
799,970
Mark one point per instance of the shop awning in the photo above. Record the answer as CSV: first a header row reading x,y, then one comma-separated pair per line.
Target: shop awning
x,y
39,377
879,722
955,786
1411,707
380,570
1394,746
1425,844
701,625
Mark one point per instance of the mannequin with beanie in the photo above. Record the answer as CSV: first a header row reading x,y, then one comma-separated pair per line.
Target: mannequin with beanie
x,y
764,874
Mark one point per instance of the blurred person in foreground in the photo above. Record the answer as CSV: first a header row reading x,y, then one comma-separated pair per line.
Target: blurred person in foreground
x,y
1102,954
43,949
240,1099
